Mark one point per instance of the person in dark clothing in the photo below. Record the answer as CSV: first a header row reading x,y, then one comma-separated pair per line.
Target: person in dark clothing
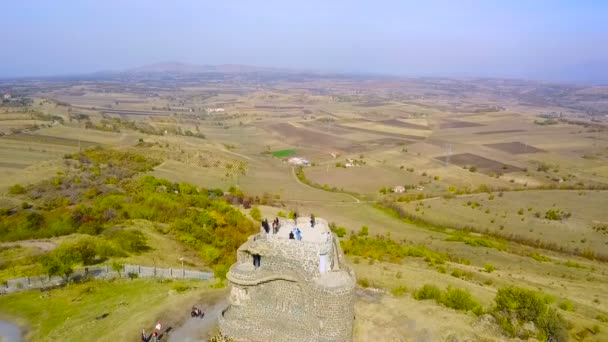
x,y
291,237
265,225
312,220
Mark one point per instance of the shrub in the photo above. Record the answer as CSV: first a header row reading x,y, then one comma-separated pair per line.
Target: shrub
x,y
428,292
256,214
596,329
571,263
364,231
363,282
117,267
399,291
457,273
441,269
556,215
458,299
525,304
528,306
179,288
539,257
340,231
566,306
281,214
16,189
489,268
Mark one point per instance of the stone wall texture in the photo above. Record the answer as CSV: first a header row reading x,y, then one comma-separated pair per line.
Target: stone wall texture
x,y
287,298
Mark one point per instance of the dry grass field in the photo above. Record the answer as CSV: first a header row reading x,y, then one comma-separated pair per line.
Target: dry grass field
x,y
415,133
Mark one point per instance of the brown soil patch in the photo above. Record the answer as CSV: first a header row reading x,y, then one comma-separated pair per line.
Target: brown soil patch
x,y
398,123
134,112
514,147
458,124
46,139
482,164
312,138
501,131
332,128
388,134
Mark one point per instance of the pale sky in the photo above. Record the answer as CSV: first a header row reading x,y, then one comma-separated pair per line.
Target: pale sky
x,y
533,39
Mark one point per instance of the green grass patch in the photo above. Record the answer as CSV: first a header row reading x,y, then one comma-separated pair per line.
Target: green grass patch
x,y
573,264
385,249
539,257
283,153
76,312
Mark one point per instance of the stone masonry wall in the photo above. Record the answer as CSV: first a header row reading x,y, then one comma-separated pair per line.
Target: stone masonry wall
x,y
287,298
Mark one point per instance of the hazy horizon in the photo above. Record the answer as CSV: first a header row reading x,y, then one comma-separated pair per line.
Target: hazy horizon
x,y
552,41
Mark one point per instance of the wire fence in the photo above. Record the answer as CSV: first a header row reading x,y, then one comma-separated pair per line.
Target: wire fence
x,y
99,272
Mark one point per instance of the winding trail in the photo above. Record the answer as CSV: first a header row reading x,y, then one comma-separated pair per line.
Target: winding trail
x,y
293,173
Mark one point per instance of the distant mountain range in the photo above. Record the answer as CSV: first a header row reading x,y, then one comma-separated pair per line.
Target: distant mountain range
x,y
184,68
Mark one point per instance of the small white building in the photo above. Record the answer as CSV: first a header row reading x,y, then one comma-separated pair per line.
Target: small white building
x,y
298,161
214,110
399,189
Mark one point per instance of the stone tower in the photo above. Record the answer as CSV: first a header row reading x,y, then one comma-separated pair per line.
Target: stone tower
x,y
290,290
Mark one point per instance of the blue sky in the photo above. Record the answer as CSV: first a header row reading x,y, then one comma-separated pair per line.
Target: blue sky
x,y
535,39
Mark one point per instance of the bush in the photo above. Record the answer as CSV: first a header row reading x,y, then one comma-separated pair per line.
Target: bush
x,y
180,288
458,299
489,268
566,306
340,231
16,189
556,215
364,231
457,273
528,306
539,257
256,214
428,292
399,291
571,263
525,304
363,282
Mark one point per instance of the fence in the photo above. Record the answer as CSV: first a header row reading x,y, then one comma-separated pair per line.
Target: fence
x,y
101,272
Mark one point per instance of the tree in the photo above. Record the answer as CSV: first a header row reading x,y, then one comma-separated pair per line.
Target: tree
x,y
117,267
60,262
86,250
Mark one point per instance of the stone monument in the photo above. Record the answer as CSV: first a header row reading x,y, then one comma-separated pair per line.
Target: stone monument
x,y
288,289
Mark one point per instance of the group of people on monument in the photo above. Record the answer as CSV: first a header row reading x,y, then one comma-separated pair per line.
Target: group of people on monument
x,y
275,226
294,234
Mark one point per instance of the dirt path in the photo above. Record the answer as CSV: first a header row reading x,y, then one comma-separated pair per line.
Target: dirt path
x,y
199,329
43,245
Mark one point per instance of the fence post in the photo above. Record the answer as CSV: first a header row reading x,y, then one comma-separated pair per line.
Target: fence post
x,y
139,269
171,272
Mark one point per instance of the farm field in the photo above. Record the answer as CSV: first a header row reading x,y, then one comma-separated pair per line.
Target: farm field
x,y
485,176
522,213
